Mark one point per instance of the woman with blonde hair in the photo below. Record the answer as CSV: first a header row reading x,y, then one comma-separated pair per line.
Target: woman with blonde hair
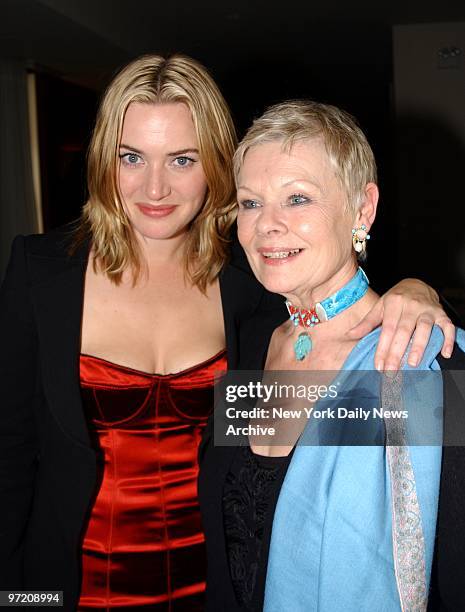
x,y
112,332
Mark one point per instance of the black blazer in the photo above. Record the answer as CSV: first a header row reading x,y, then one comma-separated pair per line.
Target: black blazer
x,y
254,334
47,463
448,572
447,591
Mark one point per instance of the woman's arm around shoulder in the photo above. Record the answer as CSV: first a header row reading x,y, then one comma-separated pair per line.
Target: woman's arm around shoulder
x,y
407,313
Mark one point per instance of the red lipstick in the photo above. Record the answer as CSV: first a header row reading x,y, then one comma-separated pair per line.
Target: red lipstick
x,y
155,212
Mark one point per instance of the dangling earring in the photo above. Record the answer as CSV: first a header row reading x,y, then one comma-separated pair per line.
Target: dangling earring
x,y
359,240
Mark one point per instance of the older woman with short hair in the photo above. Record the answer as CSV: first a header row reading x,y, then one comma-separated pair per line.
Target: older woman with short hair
x,y
307,527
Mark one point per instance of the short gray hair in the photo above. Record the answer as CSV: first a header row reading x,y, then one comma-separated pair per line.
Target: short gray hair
x,y
346,145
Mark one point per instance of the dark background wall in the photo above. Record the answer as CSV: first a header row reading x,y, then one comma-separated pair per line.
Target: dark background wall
x,y
259,52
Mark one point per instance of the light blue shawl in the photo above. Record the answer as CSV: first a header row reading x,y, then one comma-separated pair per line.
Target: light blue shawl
x,y
354,526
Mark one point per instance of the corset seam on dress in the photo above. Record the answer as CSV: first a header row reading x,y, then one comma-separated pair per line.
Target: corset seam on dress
x,y
144,521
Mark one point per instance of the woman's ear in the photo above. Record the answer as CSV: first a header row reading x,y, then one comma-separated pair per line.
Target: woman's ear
x,y
367,211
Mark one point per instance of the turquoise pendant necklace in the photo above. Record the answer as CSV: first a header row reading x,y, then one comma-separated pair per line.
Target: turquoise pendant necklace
x,y
302,346
347,295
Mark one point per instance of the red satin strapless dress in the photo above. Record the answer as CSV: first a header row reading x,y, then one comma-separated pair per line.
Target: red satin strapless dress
x,y
143,545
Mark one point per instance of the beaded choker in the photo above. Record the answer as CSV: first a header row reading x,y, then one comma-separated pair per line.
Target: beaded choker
x,y
342,299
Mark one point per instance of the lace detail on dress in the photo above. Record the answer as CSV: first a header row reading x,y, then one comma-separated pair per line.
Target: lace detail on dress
x,y
250,488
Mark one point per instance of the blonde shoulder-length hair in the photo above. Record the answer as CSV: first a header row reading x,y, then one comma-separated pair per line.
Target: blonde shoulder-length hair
x,y
154,79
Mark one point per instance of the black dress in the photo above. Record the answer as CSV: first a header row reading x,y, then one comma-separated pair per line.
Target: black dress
x,y
250,494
